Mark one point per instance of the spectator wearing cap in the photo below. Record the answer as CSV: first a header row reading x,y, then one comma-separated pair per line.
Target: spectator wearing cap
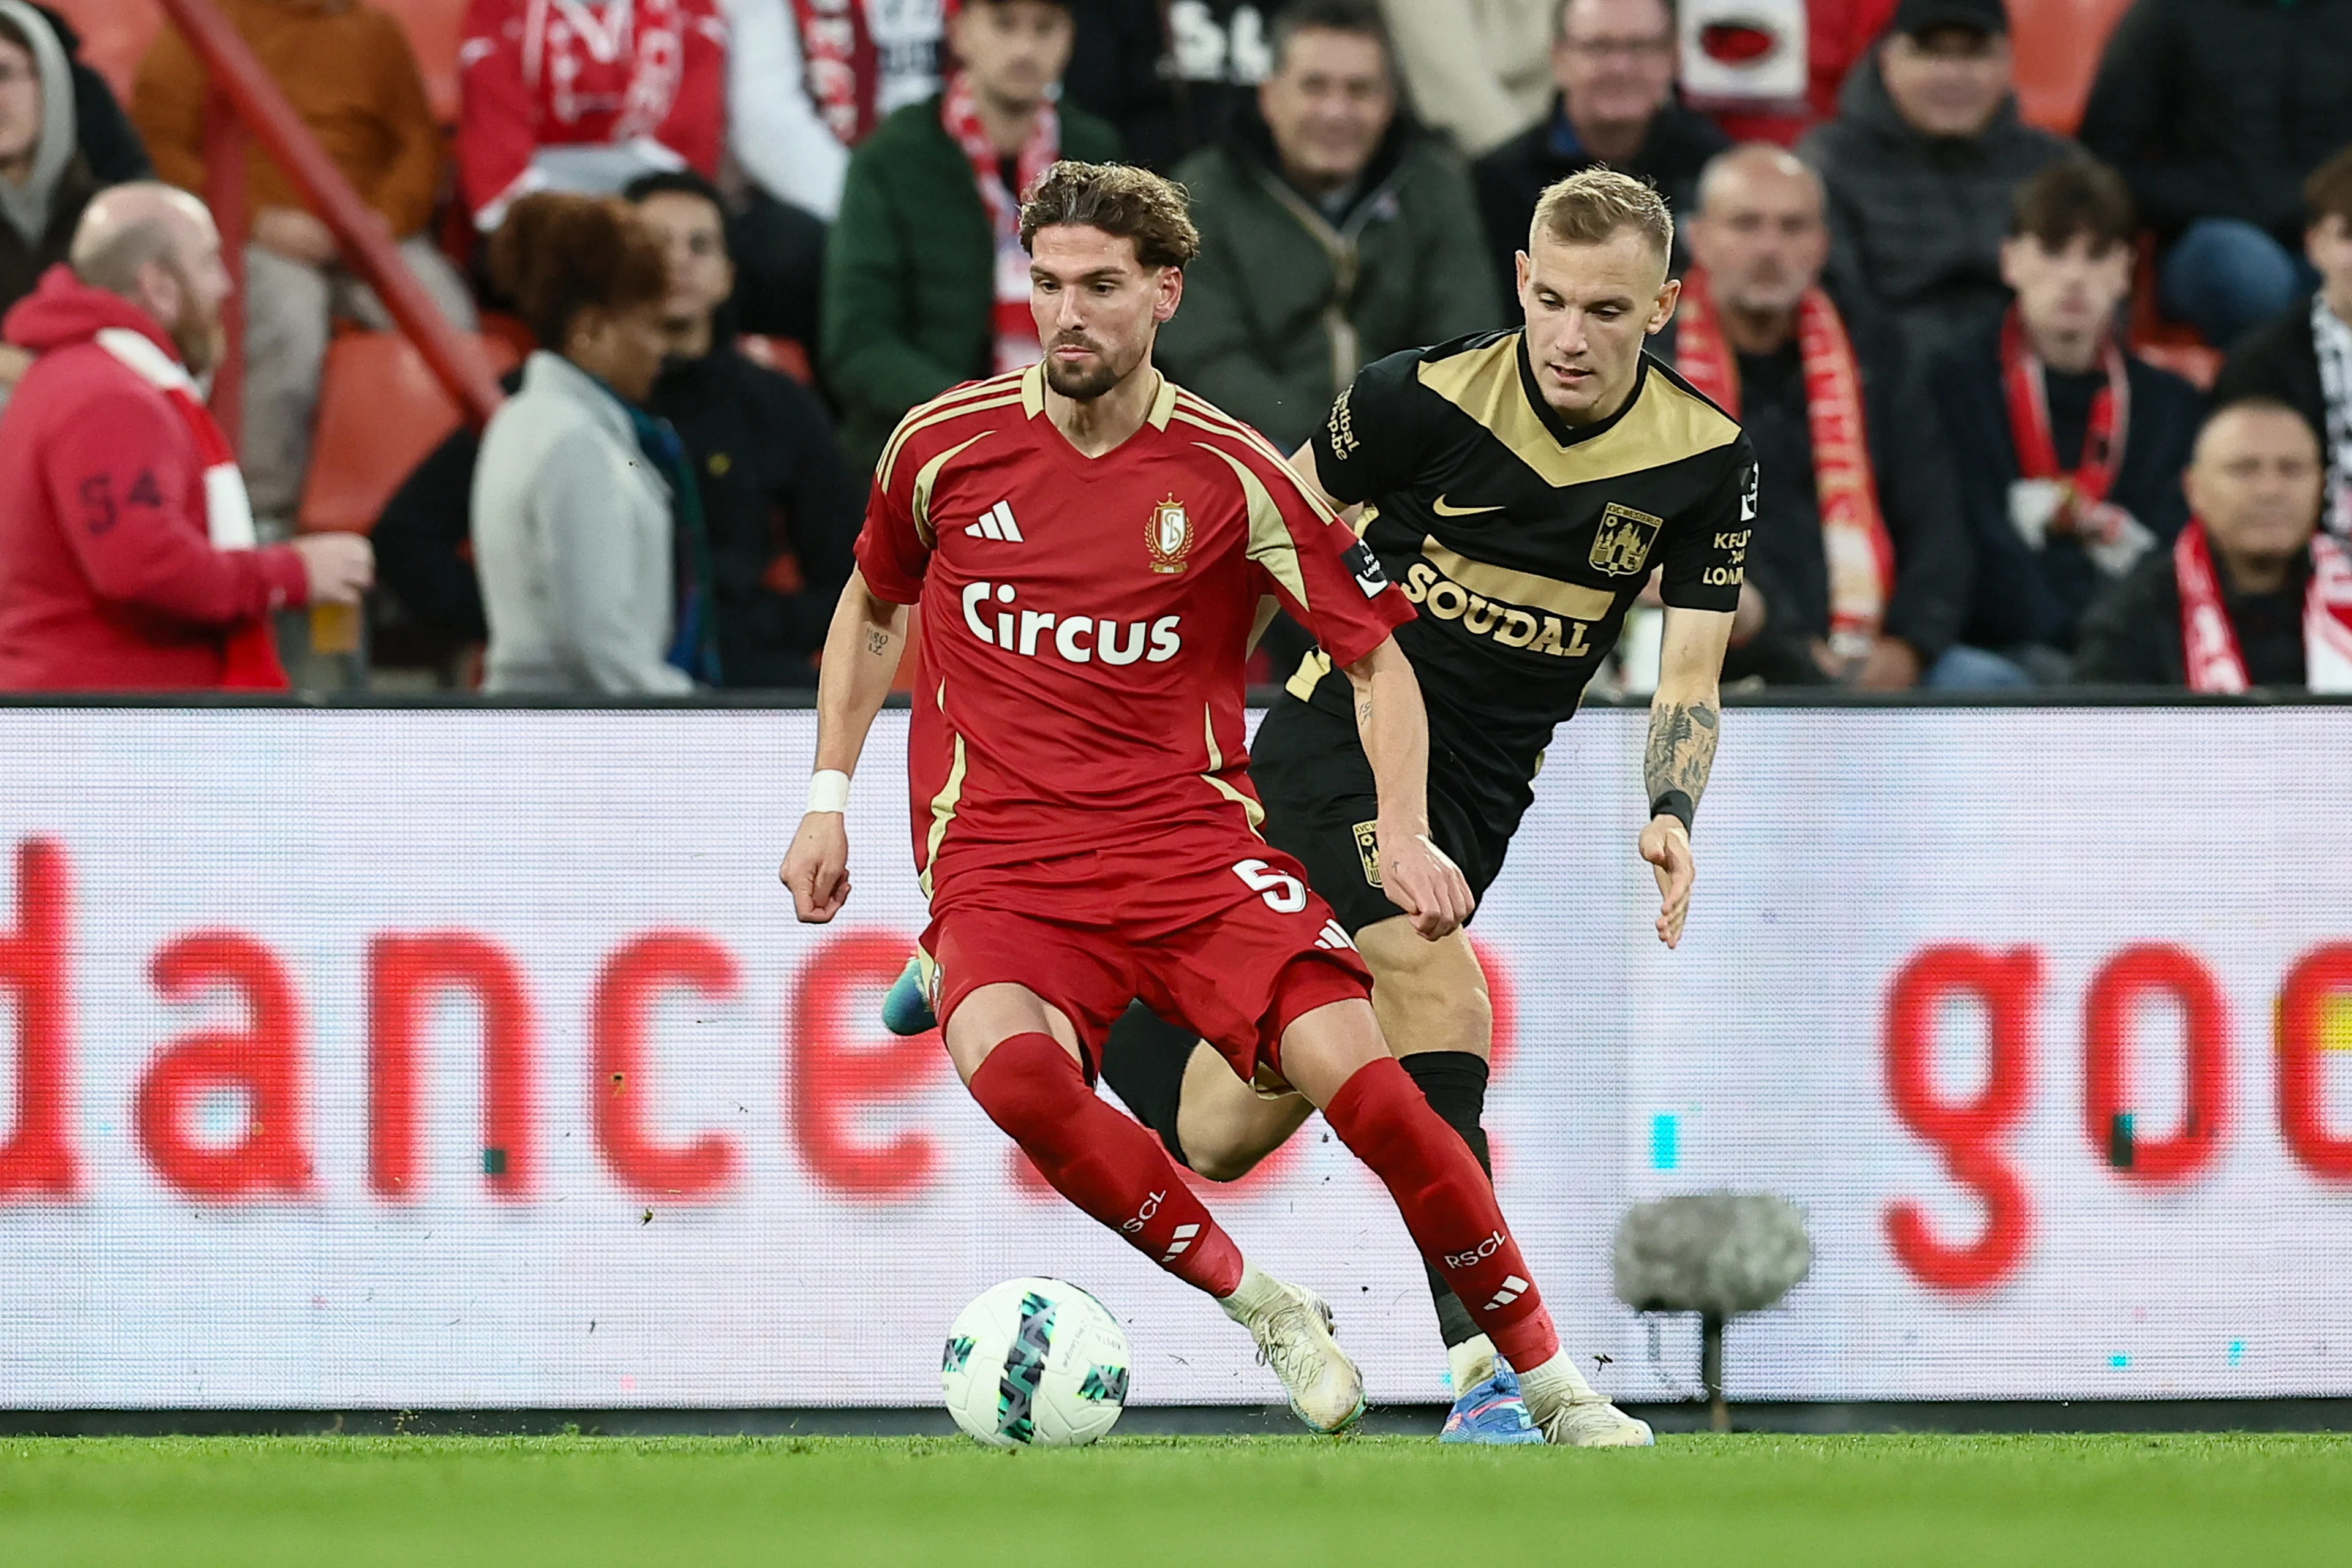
x,y
1921,164
2302,356
2216,111
2067,447
346,68
1614,62
1479,71
1333,232
926,282
2252,593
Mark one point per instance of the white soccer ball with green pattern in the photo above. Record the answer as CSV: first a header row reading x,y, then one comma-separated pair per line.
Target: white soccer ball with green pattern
x,y
1035,1364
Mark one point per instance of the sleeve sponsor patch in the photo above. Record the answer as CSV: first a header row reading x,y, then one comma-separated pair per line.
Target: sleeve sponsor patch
x,y
1365,567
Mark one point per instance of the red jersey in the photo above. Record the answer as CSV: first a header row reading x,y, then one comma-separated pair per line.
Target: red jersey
x,y
1085,621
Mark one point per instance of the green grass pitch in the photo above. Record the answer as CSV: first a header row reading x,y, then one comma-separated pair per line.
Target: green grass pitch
x,y
1744,1501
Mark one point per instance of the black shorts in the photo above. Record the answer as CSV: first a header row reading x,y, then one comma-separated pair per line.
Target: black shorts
x,y
1321,807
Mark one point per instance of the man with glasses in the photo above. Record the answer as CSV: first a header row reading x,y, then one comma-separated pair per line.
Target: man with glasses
x,y
1921,164
1614,61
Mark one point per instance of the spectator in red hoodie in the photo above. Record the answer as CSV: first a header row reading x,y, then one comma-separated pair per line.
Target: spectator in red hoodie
x,y
127,553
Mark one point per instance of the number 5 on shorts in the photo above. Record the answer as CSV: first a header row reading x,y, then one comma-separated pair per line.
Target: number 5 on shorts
x,y
1284,893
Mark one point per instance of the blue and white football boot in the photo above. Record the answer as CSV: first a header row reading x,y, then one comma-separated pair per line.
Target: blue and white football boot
x,y
906,1009
1492,1412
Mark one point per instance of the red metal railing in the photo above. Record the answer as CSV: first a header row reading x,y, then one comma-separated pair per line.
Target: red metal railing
x,y
244,100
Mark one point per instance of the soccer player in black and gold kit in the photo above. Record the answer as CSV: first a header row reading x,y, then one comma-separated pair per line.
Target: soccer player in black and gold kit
x,y
1521,488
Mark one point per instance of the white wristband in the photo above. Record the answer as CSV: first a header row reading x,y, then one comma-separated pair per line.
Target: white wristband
x,y
828,790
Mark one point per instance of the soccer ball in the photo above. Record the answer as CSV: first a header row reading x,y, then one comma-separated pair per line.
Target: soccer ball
x,y
1035,1364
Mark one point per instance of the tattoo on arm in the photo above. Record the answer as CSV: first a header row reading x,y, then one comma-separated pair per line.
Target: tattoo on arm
x,y
878,641
1682,749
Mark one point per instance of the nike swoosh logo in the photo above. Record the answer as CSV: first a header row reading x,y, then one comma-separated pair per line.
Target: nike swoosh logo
x,y
1441,509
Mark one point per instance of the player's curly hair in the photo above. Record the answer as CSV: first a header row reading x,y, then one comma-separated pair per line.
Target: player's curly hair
x,y
1132,204
557,255
1595,206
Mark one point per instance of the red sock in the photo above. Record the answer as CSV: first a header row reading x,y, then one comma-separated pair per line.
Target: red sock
x,y
1448,1205
1102,1161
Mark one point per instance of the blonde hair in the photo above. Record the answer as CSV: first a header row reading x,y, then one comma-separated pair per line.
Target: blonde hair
x,y
1595,205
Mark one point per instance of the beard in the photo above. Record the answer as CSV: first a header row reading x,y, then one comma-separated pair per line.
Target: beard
x,y
1082,386
196,330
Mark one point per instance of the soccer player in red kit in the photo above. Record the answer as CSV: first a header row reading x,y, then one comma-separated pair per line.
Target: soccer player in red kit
x,y
1090,546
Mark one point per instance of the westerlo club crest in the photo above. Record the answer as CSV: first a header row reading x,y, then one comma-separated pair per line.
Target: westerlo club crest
x,y
1169,536
1621,545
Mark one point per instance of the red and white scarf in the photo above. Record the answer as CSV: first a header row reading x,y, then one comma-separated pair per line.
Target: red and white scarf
x,y
1016,329
842,67
1855,543
2045,494
251,649
580,51
2208,643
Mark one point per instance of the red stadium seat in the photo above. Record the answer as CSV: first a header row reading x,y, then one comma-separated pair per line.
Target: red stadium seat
x,y
380,413
2058,44
114,35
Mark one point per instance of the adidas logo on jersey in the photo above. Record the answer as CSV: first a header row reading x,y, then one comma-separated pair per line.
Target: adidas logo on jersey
x,y
996,522
1080,639
1513,1288
1333,937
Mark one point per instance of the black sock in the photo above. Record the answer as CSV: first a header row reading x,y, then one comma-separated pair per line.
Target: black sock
x,y
1143,1060
1456,1085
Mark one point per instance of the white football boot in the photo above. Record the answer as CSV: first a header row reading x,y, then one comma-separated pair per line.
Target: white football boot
x,y
1574,1414
1292,1326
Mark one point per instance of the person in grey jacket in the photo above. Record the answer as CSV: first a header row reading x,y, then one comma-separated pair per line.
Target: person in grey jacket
x,y
1334,233
1921,164
573,534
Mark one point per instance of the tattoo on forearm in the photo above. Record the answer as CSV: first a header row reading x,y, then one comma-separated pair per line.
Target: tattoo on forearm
x,y
1363,714
1682,749
878,641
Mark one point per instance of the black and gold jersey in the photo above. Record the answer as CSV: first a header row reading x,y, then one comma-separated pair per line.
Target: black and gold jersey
x,y
1523,540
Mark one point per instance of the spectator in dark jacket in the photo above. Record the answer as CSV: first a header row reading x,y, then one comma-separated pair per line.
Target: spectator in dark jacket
x,y
108,140
1921,162
2303,357
780,504
2068,448
2216,111
1756,333
1614,62
46,174
1333,233
2252,593
924,283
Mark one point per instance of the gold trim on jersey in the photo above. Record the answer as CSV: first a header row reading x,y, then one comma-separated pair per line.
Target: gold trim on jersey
x,y
925,418
1210,417
1574,600
927,478
943,810
1252,812
1270,544
1664,426
1313,665
1033,396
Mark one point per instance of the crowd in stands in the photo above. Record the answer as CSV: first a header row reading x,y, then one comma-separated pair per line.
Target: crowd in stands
x,y
1923,309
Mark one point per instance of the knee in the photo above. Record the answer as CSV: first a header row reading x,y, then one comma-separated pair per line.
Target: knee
x,y
1221,1165
1026,1084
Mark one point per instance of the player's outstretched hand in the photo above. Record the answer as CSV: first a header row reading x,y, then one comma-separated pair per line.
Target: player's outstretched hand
x,y
816,867
1420,879
1665,845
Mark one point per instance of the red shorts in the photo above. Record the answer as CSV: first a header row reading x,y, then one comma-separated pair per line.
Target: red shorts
x,y
1213,931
